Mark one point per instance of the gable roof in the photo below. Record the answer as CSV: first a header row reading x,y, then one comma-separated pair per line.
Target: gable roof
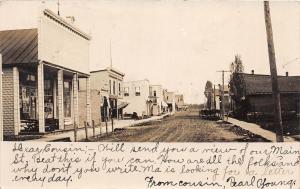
x,y
19,46
261,84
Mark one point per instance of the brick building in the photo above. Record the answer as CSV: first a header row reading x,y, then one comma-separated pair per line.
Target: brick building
x,y
41,68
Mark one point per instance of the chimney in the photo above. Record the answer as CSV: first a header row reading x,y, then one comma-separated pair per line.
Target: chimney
x,y
252,72
286,74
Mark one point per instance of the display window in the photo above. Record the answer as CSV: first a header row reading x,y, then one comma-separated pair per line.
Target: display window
x,y
28,95
67,98
48,99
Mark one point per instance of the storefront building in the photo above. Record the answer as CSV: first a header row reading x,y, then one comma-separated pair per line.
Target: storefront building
x,y
41,69
137,94
109,82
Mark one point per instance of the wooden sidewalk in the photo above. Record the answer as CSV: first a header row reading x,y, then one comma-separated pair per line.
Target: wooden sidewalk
x,y
256,129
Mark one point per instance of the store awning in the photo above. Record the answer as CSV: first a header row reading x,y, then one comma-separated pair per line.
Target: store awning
x,y
164,104
122,104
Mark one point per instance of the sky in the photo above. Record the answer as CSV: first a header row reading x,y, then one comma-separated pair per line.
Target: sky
x,y
179,44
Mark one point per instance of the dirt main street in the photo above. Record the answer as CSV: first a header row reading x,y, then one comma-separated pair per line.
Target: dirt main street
x,y
182,127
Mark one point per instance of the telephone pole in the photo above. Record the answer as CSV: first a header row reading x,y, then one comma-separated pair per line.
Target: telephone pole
x,y
58,4
215,97
273,69
223,108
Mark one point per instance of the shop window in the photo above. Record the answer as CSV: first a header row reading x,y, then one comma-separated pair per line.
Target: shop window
x,y
48,99
67,98
28,102
28,93
137,91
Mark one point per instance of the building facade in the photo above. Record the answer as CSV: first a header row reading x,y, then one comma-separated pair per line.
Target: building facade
x,y
218,101
257,95
41,69
137,93
179,102
156,96
170,100
109,83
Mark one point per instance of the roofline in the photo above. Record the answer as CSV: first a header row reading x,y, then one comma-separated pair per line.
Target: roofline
x,y
64,23
270,93
109,69
269,75
116,71
95,71
33,28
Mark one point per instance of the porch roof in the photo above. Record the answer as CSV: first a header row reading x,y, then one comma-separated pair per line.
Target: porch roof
x,y
19,46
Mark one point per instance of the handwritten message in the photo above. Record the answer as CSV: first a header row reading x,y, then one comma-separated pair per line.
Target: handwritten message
x,y
151,165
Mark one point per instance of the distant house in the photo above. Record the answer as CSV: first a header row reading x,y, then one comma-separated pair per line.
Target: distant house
x,y
156,96
137,94
41,68
257,92
217,101
109,84
179,102
164,101
170,100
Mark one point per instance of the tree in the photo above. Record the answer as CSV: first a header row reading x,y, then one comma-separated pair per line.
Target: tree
x,y
237,86
237,66
208,93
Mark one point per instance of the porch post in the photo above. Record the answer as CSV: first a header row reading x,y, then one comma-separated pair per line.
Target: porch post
x,y
41,112
1,111
16,100
75,98
54,99
88,101
60,99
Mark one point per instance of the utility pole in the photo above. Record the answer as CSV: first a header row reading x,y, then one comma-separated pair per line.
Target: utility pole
x,y
223,108
110,53
58,13
273,69
215,97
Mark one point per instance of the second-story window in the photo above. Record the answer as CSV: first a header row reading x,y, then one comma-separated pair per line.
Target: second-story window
x,y
126,91
154,93
137,91
120,89
114,87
